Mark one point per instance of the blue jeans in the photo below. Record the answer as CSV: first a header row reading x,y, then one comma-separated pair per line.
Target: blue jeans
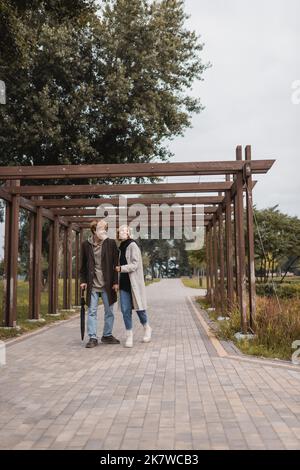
x,y
92,315
126,309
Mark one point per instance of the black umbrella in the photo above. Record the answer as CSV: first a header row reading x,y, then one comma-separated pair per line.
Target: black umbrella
x,y
82,313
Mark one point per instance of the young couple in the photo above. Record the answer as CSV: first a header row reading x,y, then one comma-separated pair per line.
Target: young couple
x,y
104,271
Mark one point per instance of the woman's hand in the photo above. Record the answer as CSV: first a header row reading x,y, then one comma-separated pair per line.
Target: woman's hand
x,y
118,269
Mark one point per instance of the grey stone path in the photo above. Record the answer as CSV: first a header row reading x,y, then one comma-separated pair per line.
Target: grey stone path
x,y
174,393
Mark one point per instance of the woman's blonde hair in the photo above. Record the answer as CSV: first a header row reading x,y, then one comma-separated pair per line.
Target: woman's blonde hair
x,y
129,231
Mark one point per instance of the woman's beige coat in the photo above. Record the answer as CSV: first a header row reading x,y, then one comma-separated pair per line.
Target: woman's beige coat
x,y
134,268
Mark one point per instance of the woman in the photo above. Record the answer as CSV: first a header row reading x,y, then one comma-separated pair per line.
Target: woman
x,y
132,286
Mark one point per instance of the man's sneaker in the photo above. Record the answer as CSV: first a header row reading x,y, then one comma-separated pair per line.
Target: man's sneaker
x,y
109,340
92,343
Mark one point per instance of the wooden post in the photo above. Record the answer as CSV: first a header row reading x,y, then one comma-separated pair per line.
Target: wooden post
x,y
31,264
70,265
211,268
215,262
80,248
50,269
240,248
250,239
229,252
208,287
34,268
80,237
55,263
6,277
221,257
11,251
236,243
77,263
37,270
236,259
65,269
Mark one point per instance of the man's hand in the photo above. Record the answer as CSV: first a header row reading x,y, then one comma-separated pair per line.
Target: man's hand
x,y
115,287
83,286
118,269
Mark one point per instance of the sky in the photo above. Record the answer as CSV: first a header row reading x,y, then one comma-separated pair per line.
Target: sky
x,y
254,49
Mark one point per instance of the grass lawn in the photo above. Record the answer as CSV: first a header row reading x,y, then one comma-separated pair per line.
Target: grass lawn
x,y
194,282
23,305
147,283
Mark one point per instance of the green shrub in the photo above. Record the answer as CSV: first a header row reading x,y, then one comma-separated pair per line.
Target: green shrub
x,y
284,291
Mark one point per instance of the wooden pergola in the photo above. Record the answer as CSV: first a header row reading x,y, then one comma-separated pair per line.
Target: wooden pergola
x,y
229,241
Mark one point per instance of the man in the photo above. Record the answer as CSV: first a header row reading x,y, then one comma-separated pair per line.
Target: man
x,y
99,257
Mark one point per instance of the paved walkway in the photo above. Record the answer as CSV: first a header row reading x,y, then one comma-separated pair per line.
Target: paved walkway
x,y
174,393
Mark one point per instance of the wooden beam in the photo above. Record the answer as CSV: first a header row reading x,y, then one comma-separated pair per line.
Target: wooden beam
x,y
28,204
95,202
135,170
83,225
4,194
92,189
93,212
147,219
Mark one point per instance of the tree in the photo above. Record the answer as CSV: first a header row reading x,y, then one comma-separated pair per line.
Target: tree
x,y
181,256
158,253
277,238
196,259
88,86
39,55
24,246
1,267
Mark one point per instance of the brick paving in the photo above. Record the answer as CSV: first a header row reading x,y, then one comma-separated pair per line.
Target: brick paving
x,y
174,393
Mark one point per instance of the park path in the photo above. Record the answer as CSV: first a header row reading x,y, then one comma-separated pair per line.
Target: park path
x,y
175,393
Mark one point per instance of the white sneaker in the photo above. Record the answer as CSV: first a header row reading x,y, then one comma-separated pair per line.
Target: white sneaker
x,y
129,339
147,333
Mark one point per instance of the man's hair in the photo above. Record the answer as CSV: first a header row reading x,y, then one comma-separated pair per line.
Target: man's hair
x,y
94,223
